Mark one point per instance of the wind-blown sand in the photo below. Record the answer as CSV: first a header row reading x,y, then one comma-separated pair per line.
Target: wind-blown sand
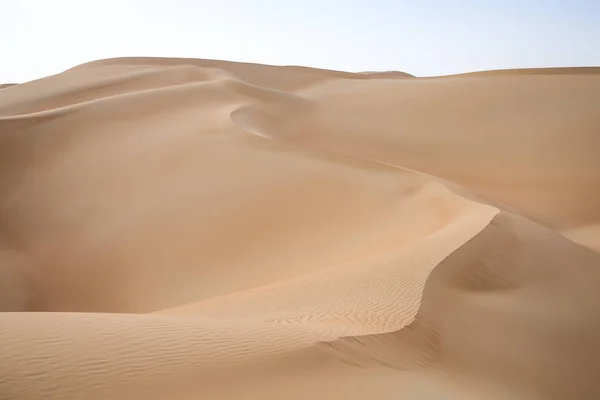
x,y
185,229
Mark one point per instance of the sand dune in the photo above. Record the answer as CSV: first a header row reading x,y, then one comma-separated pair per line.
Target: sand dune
x,y
182,228
537,71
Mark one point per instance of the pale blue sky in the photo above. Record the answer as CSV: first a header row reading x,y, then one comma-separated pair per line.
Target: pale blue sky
x,y
422,37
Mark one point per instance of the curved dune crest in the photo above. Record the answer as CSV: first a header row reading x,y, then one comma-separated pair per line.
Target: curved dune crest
x,y
177,228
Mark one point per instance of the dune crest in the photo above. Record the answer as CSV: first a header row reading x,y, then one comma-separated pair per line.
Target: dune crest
x,y
176,228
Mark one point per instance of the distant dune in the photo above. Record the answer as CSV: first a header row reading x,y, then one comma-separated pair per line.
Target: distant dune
x,y
186,228
388,74
539,71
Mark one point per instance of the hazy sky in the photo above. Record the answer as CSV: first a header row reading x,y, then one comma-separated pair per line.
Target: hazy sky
x,y
423,37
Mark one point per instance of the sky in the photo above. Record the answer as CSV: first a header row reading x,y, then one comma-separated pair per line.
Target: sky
x,y
422,37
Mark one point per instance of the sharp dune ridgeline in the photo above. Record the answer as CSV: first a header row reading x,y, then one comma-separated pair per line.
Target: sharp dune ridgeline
x,y
185,228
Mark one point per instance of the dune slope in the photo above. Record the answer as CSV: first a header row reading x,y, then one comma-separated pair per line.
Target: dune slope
x,y
177,228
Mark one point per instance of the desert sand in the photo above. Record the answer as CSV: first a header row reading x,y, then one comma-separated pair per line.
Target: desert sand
x,y
184,229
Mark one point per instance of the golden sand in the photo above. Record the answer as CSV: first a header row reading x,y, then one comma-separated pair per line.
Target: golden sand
x,y
184,229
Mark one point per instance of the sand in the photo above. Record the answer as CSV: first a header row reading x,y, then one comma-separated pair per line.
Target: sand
x,y
184,229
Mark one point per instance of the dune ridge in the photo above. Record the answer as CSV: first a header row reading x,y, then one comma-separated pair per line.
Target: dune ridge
x,y
176,228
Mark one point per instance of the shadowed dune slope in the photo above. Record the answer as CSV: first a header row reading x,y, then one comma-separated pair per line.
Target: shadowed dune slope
x,y
181,228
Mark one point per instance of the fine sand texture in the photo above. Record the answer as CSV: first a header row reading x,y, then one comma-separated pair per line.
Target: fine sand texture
x,y
191,229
